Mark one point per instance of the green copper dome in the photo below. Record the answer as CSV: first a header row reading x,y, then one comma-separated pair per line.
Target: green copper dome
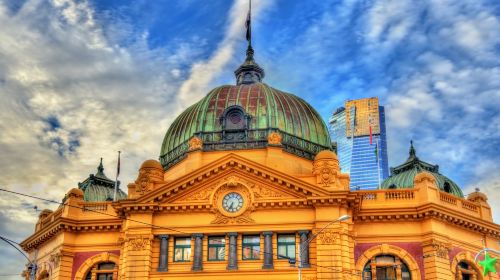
x,y
243,116
402,176
98,187
261,110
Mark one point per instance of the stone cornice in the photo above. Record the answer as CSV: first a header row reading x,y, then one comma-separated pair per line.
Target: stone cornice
x,y
65,224
429,210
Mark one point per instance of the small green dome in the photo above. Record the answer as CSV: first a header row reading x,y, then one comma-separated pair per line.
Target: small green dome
x,y
98,187
403,176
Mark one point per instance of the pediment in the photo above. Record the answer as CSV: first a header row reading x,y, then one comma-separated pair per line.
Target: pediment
x,y
259,189
263,182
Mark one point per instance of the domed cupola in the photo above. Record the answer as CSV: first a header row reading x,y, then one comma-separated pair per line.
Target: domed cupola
x,y
248,115
99,187
402,176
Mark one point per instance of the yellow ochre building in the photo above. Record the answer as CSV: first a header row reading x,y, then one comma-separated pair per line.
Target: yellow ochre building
x,y
248,186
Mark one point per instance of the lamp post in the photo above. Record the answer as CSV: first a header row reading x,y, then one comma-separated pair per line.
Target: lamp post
x,y
32,264
306,243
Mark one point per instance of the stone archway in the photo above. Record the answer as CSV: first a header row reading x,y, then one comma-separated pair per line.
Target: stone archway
x,y
469,259
90,262
386,249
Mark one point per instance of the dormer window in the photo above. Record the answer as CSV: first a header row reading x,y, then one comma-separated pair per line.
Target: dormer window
x,y
234,118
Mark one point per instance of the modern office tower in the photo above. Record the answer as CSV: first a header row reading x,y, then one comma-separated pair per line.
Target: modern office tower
x,y
358,128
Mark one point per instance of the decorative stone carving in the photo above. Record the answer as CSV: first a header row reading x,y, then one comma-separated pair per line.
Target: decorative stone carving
x,y
55,258
138,243
327,170
195,143
328,237
150,173
261,192
274,138
228,185
199,195
441,249
143,183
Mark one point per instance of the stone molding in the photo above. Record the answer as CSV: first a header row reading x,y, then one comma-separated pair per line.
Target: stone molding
x,y
387,249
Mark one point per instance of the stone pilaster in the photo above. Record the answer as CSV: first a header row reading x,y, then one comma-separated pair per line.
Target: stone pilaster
x,y
163,259
436,260
198,252
304,248
268,250
232,253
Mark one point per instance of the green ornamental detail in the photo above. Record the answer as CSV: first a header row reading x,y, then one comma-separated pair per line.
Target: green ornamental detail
x,y
98,187
403,176
488,264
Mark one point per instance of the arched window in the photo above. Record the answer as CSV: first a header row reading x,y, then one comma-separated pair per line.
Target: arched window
x,y
234,118
386,267
465,271
102,271
447,187
392,186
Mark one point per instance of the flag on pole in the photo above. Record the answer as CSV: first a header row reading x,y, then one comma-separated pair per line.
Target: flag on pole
x,y
118,166
116,180
248,24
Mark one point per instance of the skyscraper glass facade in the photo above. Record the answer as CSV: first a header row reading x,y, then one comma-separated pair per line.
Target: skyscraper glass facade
x,y
366,163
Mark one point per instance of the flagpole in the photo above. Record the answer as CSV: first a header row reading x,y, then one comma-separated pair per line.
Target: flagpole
x,y
116,179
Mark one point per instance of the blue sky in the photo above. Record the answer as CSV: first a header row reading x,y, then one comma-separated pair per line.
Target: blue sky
x,y
80,80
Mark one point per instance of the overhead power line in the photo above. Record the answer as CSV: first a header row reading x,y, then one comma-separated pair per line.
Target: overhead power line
x,y
144,223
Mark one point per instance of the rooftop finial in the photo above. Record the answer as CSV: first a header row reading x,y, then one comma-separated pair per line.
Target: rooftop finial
x,y
413,153
100,168
249,72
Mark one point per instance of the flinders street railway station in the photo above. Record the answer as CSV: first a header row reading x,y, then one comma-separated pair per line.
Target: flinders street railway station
x,y
248,186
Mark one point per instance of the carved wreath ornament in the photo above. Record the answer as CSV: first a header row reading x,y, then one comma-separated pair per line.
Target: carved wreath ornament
x,y
139,243
274,138
228,185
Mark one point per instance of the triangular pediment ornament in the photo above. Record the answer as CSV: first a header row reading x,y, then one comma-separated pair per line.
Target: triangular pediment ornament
x,y
267,182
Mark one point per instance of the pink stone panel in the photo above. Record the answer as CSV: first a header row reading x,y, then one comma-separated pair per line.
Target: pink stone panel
x,y
413,248
81,257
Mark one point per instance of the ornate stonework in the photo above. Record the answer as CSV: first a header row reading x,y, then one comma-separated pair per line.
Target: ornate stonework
x,y
195,143
138,243
326,173
199,195
441,249
232,184
274,138
263,192
143,183
328,237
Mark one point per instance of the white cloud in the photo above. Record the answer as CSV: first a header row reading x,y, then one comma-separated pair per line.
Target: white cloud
x,y
203,73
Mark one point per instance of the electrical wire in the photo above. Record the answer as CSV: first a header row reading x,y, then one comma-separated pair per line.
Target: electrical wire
x,y
144,223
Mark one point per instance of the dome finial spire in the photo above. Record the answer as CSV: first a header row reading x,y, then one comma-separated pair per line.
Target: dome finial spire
x,y
249,72
413,152
100,168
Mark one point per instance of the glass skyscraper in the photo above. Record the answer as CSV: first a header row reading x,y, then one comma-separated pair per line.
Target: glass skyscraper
x,y
351,127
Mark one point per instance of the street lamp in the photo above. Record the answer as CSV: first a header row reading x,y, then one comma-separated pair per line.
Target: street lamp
x,y
32,265
306,243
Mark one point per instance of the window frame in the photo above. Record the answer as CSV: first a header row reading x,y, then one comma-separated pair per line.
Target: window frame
x,y
183,247
216,247
286,244
250,245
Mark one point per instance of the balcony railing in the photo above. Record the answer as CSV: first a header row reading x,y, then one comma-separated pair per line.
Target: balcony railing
x,y
243,139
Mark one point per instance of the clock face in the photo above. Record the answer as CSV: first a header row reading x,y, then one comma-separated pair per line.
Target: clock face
x,y
232,202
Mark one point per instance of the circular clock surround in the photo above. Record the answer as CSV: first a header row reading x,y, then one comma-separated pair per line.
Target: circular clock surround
x,y
232,202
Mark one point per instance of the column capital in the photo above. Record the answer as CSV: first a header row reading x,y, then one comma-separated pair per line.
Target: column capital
x,y
267,233
232,234
305,231
162,236
197,235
